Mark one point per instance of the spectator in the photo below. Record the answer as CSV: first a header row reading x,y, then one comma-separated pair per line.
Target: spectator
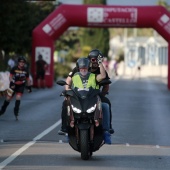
x,y
11,62
115,68
137,70
41,67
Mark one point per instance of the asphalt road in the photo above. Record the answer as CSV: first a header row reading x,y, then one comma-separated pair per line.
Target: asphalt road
x,y
141,116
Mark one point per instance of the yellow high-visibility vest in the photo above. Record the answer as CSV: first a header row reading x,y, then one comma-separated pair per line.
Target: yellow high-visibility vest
x,y
77,81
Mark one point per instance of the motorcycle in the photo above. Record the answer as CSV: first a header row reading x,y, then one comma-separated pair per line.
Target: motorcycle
x,y
84,120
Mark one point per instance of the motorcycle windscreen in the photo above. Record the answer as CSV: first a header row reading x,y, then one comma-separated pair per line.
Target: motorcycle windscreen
x,y
85,99
86,92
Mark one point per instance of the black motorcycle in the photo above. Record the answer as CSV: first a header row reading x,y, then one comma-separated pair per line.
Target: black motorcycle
x,y
84,120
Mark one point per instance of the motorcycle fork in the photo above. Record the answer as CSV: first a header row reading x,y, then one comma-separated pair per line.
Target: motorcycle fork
x,y
91,132
77,133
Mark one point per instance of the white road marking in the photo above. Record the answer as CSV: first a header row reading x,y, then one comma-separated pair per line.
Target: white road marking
x,y
127,144
26,146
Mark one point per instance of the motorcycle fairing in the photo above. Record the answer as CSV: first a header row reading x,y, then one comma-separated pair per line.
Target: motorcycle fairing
x,y
84,98
83,104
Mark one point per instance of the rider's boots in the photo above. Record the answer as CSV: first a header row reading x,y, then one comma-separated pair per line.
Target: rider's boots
x,y
4,106
16,108
107,138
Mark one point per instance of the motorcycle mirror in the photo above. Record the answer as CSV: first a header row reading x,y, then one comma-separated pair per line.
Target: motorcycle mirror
x,y
61,82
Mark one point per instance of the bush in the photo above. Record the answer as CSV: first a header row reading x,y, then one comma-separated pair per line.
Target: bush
x,y
61,70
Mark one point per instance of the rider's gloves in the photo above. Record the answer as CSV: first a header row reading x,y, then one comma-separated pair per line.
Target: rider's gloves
x,y
12,85
29,89
100,59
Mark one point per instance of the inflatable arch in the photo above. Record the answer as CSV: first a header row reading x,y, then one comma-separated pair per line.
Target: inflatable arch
x,y
45,34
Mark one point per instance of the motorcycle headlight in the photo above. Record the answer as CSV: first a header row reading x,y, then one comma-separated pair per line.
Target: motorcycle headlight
x,y
91,109
75,109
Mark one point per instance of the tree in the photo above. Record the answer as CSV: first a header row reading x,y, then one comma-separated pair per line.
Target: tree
x,y
164,4
18,19
69,42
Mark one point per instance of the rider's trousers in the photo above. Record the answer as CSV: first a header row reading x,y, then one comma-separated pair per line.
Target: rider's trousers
x,y
106,116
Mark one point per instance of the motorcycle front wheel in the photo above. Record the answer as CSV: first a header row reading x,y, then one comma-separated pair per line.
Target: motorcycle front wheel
x,y
84,144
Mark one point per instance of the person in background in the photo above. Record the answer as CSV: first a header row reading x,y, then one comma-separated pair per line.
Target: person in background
x,y
11,62
41,67
137,72
19,79
115,68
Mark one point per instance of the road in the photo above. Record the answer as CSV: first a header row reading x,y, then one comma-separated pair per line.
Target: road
x,y
141,116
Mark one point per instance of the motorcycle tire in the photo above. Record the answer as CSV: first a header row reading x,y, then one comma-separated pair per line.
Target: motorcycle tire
x,y
84,144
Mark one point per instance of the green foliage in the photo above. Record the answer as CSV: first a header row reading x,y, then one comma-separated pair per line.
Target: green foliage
x,y
85,50
95,2
164,4
96,38
3,62
67,40
18,19
61,70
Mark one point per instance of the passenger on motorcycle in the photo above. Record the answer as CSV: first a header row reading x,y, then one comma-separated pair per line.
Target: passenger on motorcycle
x,y
94,68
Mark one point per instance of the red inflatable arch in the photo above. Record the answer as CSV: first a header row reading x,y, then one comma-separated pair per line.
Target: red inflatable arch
x,y
45,34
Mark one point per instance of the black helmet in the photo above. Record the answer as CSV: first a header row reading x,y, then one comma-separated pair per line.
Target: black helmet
x,y
94,54
83,63
21,58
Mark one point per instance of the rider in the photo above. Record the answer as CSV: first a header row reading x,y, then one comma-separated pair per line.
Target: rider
x,y
19,77
88,80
